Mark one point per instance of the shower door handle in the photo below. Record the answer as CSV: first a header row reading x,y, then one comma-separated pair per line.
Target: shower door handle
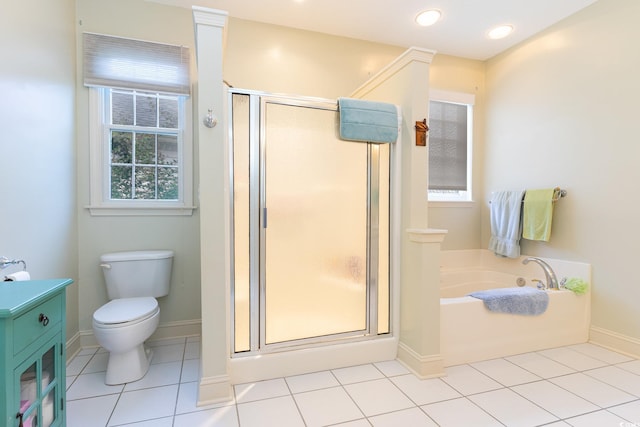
x,y
264,217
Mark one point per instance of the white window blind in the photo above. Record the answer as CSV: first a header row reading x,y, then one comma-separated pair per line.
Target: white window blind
x,y
447,146
123,63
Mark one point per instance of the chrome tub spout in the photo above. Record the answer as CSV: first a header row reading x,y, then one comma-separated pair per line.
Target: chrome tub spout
x,y
550,275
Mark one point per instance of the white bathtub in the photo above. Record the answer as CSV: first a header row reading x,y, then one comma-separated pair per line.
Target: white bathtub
x,y
469,332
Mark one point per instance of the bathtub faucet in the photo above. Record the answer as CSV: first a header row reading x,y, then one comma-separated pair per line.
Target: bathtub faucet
x,y
552,280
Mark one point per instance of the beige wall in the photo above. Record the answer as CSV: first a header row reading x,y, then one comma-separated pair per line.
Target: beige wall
x,y
562,110
97,235
37,147
278,59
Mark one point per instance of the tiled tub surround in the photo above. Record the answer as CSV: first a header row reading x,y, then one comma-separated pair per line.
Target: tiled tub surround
x,y
579,385
469,332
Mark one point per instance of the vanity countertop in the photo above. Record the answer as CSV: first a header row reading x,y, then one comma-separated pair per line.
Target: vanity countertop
x,y
16,297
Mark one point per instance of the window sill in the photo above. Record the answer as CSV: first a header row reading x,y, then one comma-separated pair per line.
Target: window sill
x,y
141,210
451,204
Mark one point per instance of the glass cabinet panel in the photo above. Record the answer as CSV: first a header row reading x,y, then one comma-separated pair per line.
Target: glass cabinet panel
x,y
47,386
48,369
31,420
48,410
28,389
39,389
29,395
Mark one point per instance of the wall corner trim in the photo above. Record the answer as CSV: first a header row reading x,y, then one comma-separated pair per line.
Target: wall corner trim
x,y
214,389
413,54
424,367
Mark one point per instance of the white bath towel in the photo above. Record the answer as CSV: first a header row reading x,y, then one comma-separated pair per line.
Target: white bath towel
x,y
506,224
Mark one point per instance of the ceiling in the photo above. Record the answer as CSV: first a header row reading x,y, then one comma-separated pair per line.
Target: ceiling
x,y
461,30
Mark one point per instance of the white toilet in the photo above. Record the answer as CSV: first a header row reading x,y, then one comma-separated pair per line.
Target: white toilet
x,y
134,281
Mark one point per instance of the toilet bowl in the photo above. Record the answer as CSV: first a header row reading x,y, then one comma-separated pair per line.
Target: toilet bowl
x,y
121,326
134,280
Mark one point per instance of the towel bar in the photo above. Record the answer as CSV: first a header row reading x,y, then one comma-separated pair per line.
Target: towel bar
x,y
6,262
561,194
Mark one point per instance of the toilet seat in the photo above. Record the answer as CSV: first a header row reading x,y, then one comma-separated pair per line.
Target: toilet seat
x,y
117,312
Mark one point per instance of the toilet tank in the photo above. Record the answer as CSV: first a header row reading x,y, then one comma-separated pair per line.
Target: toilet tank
x,y
137,273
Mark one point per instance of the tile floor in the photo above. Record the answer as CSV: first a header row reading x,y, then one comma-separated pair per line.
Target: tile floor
x,y
581,385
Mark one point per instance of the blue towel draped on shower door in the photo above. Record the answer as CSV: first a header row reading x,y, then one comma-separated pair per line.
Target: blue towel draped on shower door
x,y
368,121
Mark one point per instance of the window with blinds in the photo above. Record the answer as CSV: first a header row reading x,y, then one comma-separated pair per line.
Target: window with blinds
x,y
122,63
449,151
141,154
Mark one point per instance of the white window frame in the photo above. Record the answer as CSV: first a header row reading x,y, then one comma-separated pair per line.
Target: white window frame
x,y
99,171
456,198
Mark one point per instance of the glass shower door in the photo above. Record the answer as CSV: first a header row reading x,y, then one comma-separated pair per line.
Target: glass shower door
x,y
310,226
313,227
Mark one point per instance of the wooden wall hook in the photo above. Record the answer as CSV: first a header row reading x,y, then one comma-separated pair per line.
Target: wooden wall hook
x,y
421,133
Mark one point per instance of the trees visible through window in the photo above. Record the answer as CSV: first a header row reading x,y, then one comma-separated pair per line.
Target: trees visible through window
x,y
143,145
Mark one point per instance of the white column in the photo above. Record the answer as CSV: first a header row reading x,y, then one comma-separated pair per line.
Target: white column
x,y
210,27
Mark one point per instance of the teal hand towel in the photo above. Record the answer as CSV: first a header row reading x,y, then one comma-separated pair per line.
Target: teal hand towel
x,y
537,214
368,121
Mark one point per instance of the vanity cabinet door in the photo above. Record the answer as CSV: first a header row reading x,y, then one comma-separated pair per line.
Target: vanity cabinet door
x,y
38,388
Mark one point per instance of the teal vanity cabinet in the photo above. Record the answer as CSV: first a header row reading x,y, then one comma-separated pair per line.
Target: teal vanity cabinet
x,y
33,353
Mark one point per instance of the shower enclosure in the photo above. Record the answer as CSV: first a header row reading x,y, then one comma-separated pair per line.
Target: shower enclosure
x,y
311,234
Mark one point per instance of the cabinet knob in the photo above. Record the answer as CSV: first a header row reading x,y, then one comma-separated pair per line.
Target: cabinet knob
x,y
43,319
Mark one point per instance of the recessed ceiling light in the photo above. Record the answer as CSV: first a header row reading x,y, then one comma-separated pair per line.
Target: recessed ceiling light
x,y
428,17
500,32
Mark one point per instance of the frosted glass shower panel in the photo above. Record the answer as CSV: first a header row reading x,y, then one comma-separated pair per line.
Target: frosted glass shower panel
x,y
315,267
241,207
384,206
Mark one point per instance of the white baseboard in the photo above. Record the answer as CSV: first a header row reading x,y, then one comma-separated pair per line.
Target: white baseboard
x,y
423,367
615,341
182,328
73,346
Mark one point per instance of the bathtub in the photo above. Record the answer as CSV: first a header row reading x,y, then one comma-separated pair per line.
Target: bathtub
x,y
470,333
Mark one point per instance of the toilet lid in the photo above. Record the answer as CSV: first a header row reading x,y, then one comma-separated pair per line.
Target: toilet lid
x,y
125,310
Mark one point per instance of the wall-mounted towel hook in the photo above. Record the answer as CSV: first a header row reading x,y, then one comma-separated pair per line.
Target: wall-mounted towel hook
x,y
210,120
558,193
421,133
